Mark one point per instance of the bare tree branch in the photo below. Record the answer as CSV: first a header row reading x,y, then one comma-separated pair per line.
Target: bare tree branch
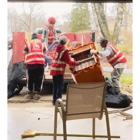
x,y
27,20
127,12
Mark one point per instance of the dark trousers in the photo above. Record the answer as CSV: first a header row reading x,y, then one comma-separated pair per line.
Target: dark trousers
x,y
35,77
58,85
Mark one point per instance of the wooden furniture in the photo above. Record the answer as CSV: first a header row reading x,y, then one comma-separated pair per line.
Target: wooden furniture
x,y
89,70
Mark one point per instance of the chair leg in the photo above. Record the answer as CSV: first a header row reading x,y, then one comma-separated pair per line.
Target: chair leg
x,y
93,128
107,122
55,123
64,128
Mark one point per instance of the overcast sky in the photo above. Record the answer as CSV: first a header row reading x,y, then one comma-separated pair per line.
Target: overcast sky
x,y
52,9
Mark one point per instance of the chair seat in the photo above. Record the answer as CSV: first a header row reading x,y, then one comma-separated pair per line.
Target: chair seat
x,y
83,100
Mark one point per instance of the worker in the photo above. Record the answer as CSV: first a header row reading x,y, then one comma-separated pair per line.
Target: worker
x,y
116,59
34,60
49,34
60,59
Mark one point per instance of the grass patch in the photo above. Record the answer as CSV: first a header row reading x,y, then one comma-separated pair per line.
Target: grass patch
x,y
126,82
124,79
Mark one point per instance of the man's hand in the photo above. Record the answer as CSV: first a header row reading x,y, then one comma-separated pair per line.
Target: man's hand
x,y
92,51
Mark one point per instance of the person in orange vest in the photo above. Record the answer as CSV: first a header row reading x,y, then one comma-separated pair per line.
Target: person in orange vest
x,y
116,59
49,34
34,60
60,59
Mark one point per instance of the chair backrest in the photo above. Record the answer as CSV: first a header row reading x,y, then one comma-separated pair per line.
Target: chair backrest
x,y
85,100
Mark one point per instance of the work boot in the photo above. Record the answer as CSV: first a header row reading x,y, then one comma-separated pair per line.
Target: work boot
x,y
29,95
36,95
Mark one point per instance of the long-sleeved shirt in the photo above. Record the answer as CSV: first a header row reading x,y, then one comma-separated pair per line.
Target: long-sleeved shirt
x,y
45,33
108,51
64,58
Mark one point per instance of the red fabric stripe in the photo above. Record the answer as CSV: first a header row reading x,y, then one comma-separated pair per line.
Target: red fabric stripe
x,y
53,72
36,62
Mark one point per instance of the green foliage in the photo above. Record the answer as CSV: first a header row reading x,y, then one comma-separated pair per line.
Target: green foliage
x,y
80,18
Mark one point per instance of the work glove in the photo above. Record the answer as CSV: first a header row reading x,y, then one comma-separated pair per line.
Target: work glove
x,y
79,62
92,51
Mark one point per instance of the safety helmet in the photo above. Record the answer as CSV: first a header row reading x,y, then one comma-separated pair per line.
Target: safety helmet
x,y
51,20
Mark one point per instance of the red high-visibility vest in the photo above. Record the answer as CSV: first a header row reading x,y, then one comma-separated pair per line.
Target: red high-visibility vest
x,y
51,33
35,54
58,66
117,57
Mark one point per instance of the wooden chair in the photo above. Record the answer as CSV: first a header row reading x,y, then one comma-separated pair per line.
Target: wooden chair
x,y
83,100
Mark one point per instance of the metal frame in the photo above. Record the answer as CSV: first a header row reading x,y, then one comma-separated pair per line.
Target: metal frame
x,y
66,114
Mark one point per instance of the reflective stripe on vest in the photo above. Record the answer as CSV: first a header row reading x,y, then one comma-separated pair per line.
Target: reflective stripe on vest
x,y
122,57
34,53
61,54
35,59
57,69
58,62
110,59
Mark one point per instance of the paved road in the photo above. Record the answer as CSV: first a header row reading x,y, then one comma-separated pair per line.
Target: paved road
x,y
109,69
105,69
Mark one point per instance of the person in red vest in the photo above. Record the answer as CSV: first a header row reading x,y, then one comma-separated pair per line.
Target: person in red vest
x,y
49,34
34,60
60,59
116,59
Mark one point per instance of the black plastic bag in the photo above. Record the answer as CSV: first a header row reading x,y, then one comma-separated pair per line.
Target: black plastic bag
x,y
114,99
16,73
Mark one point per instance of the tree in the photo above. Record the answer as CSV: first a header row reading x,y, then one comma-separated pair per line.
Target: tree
x,y
28,20
80,18
101,21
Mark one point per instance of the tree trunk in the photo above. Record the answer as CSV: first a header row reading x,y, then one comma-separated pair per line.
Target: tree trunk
x,y
97,28
98,8
118,24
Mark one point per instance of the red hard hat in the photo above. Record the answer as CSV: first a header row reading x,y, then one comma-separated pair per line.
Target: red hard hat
x,y
51,19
